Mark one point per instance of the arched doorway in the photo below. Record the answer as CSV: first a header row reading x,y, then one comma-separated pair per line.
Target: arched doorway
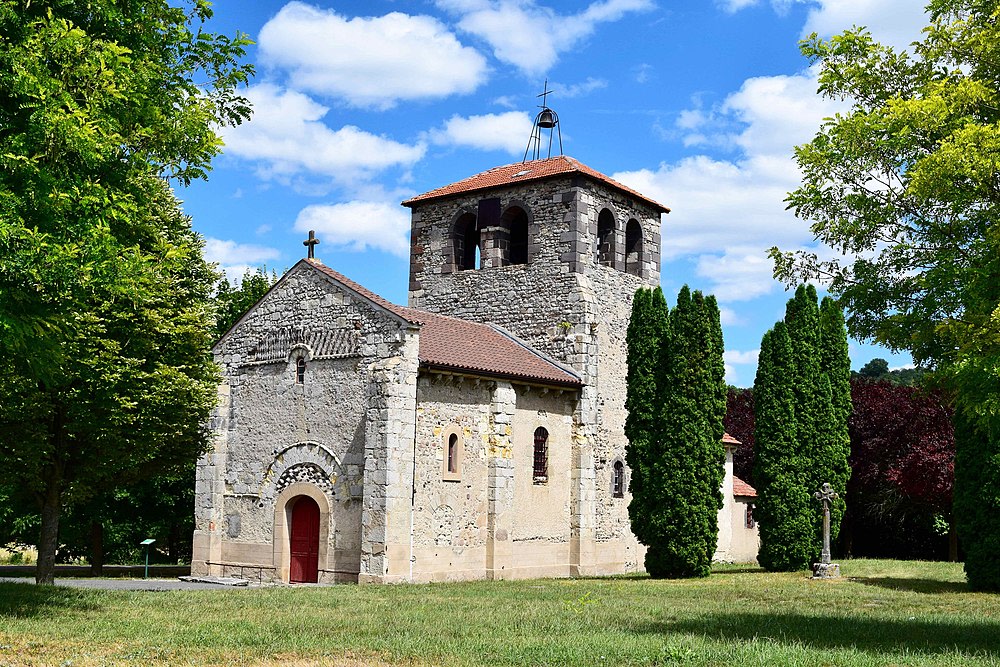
x,y
304,541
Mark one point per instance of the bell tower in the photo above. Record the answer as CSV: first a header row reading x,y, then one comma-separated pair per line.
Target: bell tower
x,y
552,251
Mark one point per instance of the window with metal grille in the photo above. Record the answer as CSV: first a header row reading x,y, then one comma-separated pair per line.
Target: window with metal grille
x,y
300,371
618,480
541,457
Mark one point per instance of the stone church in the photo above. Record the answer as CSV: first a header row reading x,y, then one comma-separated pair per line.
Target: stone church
x,y
477,433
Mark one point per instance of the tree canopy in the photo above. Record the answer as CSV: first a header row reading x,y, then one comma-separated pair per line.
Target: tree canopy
x,y
233,300
905,186
104,315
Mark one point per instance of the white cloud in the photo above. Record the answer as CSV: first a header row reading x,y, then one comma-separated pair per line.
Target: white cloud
x,y
235,259
746,357
738,274
642,73
579,89
287,137
726,213
893,22
730,318
506,131
358,225
369,61
529,36
732,6
733,358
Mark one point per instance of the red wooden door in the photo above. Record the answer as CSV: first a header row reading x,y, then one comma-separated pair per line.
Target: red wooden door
x,y
304,541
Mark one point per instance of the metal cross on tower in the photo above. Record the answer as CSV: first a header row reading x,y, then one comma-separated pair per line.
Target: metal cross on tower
x,y
311,244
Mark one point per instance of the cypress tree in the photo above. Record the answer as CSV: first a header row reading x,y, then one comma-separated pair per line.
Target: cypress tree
x,y
679,460
802,403
648,330
832,453
783,502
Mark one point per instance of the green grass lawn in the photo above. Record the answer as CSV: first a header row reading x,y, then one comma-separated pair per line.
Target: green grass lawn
x,y
880,613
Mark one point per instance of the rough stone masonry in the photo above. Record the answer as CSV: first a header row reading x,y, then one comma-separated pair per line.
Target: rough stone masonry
x,y
472,434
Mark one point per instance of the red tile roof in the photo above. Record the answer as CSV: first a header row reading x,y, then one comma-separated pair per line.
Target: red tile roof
x,y
741,488
730,440
522,172
452,344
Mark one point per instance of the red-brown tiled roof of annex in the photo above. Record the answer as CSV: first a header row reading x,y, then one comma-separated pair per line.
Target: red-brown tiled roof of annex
x,y
521,172
730,440
451,344
741,488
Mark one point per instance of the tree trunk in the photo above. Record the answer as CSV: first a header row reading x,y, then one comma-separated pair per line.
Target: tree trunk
x,y
48,537
50,500
96,549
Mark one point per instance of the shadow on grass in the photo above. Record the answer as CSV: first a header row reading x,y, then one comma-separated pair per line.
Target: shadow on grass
x,y
832,632
740,569
26,600
914,585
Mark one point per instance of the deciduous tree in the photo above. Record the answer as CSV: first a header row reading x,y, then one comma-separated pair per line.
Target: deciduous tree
x,y
232,301
739,423
905,186
104,314
902,462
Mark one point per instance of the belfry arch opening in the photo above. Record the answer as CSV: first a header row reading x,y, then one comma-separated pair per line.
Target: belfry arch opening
x,y
466,242
633,248
515,220
605,238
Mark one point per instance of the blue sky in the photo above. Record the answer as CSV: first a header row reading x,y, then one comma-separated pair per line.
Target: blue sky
x,y
697,104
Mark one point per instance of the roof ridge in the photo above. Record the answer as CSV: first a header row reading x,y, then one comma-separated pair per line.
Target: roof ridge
x,y
531,170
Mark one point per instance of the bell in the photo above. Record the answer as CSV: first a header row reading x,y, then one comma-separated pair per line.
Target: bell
x,y
546,119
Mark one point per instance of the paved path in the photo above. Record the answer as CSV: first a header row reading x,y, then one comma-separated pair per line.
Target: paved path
x,y
134,584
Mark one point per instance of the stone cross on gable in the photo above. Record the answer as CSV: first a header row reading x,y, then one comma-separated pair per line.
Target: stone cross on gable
x,y
311,244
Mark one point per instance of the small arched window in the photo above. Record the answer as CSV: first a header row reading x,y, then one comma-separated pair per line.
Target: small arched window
x,y
606,238
541,455
453,453
451,466
300,371
633,248
618,480
466,243
515,220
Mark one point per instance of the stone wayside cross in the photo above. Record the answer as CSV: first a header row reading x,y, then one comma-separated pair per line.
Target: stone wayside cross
x,y
825,569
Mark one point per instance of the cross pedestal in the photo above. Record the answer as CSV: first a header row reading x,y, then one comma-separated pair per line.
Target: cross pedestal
x,y
824,569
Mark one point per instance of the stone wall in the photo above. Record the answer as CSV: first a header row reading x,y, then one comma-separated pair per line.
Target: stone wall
x,y
273,432
492,519
566,304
